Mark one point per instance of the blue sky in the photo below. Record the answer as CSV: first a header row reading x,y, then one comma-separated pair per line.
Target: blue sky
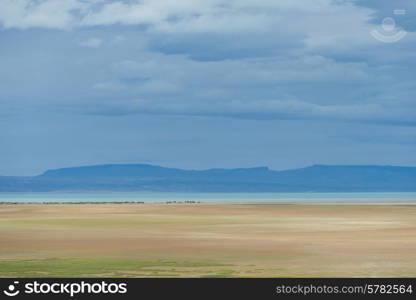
x,y
205,83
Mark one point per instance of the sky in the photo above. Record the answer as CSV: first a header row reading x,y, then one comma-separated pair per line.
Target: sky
x,y
200,84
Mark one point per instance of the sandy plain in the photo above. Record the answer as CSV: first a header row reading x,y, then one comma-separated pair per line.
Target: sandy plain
x,y
207,240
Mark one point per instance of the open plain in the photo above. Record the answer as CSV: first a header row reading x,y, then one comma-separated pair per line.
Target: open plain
x,y
207,240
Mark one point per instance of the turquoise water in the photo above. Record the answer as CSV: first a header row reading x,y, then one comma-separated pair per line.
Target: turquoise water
x,y
210,197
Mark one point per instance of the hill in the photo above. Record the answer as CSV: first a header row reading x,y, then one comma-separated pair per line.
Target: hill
x,y
144,177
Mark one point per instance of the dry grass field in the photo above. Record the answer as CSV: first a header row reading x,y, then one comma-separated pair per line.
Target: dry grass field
x,y
207,240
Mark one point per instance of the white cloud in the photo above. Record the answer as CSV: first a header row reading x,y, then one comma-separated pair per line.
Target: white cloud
x,y
173,15
23,14
274,109
321,25
91,43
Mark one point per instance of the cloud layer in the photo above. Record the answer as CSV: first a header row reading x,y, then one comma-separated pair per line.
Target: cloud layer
x,y
268,59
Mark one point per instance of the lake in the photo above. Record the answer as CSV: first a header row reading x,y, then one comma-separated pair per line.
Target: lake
x,y
209,197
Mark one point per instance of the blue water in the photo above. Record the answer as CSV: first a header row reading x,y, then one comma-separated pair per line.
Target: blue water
x,y
210,197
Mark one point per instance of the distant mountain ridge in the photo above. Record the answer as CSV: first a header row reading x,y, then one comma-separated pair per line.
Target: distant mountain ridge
x,y
145,177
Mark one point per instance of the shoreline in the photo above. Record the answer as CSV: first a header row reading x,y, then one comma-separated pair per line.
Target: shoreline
x,y
379,203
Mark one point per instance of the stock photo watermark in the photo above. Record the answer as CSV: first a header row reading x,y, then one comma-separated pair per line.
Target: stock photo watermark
x,y
65,288
387,31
